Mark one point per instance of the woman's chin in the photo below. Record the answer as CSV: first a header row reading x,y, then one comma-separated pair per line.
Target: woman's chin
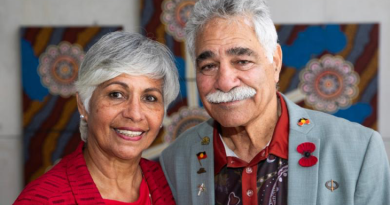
x,y
128,154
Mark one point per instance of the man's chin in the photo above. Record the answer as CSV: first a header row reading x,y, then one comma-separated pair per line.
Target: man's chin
x,y
230,123
229,120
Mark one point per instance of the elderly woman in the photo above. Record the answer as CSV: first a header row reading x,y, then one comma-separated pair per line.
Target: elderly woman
x,y
125,85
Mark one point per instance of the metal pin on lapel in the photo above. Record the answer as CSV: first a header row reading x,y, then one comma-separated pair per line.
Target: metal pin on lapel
x,y
332,185
205,140
201,156
201,170
303,121
202,188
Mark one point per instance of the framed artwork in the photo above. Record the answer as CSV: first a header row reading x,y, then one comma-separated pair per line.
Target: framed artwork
x,y
50,59
332,68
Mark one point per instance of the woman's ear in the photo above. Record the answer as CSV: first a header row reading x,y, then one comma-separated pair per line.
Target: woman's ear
x,y
80,106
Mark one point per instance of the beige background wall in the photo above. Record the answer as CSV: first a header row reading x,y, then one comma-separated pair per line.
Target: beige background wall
x,y
17,13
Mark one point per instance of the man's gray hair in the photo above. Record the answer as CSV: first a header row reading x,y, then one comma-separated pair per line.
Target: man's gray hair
x,y
122,52
255,10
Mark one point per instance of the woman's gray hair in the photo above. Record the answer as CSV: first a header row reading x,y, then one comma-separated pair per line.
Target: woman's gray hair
x,y
122,52
255,10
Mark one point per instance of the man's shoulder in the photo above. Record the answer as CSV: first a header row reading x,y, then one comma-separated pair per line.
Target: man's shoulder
x,y
336,126
323,121
326,119
192,135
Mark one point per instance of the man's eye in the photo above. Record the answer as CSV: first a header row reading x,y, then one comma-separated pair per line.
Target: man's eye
x,y
208,69
116,95
243,62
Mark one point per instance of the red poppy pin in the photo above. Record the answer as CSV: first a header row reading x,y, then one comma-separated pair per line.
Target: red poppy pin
x,y
306,149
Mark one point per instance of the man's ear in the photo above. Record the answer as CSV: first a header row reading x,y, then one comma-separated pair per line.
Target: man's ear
x,y
277,62
81,108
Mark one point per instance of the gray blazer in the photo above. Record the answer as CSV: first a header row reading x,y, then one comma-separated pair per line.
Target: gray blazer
x,y
348,153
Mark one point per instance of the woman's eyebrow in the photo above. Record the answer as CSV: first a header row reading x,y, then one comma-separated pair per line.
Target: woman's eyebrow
x,y
124,85
153,89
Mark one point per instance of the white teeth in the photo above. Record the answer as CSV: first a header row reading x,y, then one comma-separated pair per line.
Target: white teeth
x,y
129,133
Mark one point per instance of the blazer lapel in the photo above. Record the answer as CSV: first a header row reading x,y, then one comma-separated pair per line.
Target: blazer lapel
x,y
202,183
302,181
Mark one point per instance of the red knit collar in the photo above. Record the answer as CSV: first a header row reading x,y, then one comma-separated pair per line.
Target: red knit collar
x,y
83,186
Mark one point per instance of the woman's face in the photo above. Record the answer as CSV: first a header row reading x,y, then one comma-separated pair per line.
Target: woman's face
x,y
125,115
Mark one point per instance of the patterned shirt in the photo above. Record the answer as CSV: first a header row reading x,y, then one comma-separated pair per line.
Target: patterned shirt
x,y
261,181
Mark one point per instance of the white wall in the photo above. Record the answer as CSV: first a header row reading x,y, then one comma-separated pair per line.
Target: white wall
x,y
16,13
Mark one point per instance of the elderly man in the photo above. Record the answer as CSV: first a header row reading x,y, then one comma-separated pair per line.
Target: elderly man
x,y
259,147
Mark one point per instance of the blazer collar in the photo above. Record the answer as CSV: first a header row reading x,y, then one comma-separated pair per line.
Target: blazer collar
x,y
302,181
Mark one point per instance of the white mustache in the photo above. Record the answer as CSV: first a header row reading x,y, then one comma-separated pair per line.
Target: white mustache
x,y
238,93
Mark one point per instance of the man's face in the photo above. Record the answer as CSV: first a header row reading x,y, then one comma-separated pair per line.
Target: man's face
x,y
229,56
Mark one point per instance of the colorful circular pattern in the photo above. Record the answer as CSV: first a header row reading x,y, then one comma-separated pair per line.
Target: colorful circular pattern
x,y
175,16
329,83
184,119
58,68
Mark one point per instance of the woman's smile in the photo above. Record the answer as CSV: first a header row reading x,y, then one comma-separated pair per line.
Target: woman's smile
x,y
130,135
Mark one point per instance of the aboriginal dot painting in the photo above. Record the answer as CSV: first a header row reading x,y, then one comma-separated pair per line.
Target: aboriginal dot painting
x,y
332,68
50,59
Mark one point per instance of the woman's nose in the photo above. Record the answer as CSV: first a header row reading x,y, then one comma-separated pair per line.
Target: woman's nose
x,y
133,110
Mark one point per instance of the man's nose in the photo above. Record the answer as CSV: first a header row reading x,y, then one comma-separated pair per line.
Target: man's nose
x,y
227,77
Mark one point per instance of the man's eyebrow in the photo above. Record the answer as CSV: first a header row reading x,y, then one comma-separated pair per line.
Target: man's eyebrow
x,y
204,56
240,51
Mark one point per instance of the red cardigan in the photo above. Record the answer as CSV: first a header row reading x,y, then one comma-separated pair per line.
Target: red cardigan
x,y
69,182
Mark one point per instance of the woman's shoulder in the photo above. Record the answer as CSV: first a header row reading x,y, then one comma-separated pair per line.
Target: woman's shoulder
x,y
149,166
51,184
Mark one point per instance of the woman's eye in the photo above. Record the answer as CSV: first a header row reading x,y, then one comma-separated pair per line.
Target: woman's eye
x,y
150,98
116,95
